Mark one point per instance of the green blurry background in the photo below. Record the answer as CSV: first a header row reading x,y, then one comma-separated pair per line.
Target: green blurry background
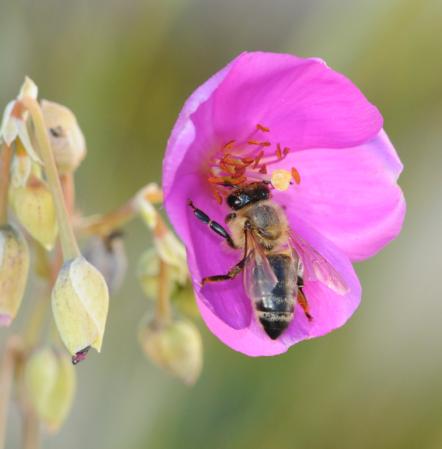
x,y
125,68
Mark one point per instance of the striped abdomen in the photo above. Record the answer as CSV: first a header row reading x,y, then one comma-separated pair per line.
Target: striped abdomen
x,y
275,306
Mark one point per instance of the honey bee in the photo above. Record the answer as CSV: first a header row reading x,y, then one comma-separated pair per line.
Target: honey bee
x,y
275,260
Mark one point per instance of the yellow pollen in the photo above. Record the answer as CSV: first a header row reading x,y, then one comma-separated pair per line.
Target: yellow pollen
x,y
281,179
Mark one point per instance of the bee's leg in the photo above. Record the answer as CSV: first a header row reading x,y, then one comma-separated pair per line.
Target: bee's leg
x,y
302,300
232,273
213,225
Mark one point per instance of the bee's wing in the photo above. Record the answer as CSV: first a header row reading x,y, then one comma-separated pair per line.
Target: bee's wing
x,y
316,267
259,277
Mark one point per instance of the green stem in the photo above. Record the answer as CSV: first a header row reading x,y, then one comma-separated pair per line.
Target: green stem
x,y
163,311
5,162
67,238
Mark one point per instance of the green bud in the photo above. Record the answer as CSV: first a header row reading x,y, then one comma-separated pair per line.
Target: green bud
x,y
175,347
14,267
80,302
50,382
34,207
67,140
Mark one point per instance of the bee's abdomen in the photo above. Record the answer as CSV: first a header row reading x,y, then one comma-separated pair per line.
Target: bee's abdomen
x,y
275,310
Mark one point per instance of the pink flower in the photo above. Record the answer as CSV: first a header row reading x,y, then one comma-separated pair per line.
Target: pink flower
x,y
265,112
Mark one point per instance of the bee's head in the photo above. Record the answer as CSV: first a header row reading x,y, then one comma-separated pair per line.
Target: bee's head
x,y
245,195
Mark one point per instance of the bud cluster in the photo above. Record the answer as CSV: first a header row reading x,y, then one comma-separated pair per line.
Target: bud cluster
x,y
41,147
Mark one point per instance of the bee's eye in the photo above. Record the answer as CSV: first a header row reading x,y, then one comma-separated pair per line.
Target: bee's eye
x,y
234,201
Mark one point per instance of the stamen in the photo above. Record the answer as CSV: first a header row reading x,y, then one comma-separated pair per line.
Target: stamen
x,y
296,176
241,162
278,151
218,197
262,128
229,145
258,158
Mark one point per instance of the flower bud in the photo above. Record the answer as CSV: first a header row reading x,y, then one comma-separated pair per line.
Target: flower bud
x,y
67,140
34,207
50,382
14,266
109,256
175,347
80,302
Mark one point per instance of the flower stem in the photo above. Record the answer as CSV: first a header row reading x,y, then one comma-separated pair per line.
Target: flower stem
x,y
163,311
68,242
5,162
7,371
104,224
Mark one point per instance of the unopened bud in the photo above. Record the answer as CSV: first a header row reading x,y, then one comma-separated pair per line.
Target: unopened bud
x,y
34,208
175,347
14,266
50,382
109,256
80,302
67,140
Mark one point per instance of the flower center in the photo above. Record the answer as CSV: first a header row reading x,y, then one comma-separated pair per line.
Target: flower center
x,y
240,163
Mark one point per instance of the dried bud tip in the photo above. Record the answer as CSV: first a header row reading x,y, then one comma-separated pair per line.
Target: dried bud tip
x,y
80,356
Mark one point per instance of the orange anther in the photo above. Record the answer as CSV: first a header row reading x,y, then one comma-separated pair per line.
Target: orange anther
x,y
265,144
248,160
228,159
217,180
253,142
229,145
218,197
278,151
262,128
286,151
296,176
263,170
228,168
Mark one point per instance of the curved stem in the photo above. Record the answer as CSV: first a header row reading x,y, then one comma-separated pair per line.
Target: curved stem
x,y
104,224
163,313
68,242
5,162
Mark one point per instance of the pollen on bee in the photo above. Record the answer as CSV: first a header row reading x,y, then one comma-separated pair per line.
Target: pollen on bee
x,y
281,179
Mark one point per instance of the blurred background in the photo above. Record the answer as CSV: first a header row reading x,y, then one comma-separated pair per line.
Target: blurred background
x,y
125,68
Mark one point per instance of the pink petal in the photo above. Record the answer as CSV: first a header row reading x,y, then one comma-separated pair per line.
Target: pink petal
x,y
350,196
185,130
303,102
